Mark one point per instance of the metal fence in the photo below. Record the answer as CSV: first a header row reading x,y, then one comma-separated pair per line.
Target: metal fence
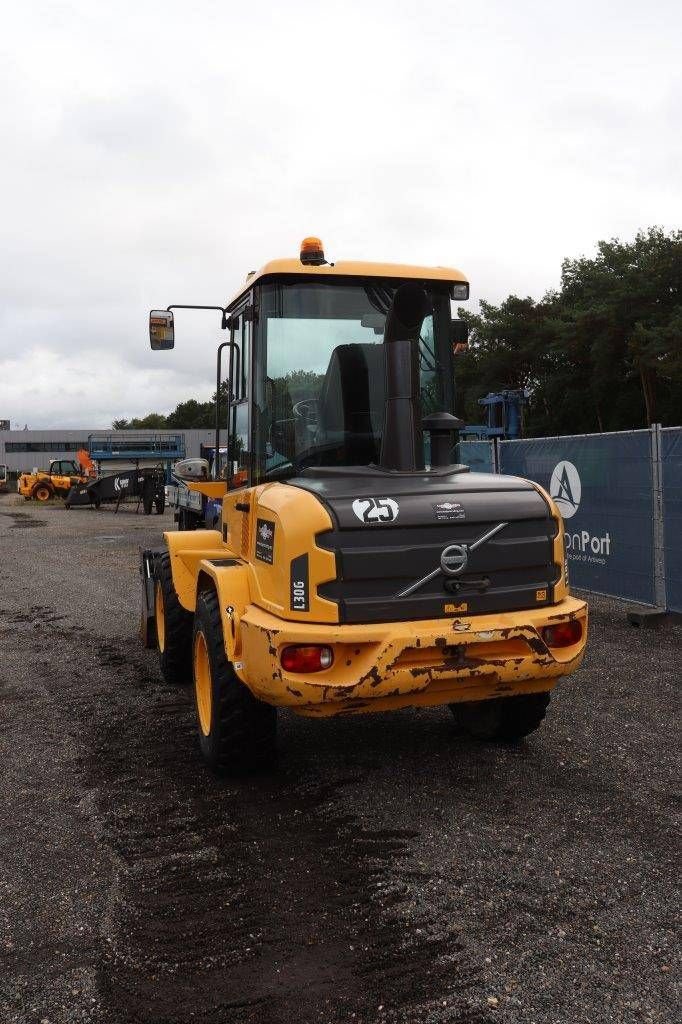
x,y
479,455
621,498
671,461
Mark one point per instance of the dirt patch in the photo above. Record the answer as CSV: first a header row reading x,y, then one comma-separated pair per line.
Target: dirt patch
x,y
388,871
260,900
23,521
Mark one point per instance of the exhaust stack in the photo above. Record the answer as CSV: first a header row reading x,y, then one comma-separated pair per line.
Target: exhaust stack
x,y
402,446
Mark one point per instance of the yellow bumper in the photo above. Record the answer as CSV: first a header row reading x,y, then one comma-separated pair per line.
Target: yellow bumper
x,y
401,664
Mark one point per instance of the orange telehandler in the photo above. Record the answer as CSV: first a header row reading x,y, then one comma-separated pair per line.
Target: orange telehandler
x,y
57,481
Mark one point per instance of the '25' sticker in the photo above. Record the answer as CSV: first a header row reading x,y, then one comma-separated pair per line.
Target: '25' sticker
x,y
375,510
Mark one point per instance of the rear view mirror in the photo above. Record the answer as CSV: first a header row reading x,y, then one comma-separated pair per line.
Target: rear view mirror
x,y
459,334
161,330
375,321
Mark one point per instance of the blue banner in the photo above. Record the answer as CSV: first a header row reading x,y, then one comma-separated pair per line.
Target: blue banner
x,y
602,484
671,453
478,455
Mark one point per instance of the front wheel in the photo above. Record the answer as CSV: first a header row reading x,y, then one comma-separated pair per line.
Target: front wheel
x,y
504,719
43,492
236,731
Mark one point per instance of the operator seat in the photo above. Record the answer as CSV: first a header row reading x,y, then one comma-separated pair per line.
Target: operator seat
x,y
352,399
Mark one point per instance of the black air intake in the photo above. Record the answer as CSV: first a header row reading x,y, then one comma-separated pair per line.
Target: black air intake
x,y
402,445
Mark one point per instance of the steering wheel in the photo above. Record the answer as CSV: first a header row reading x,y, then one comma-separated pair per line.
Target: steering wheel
x,y
306,410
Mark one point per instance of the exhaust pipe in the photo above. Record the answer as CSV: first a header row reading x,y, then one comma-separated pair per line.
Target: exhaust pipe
x,y
402,446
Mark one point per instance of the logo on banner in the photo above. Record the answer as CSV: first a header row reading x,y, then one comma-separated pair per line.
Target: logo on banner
x,y
565,488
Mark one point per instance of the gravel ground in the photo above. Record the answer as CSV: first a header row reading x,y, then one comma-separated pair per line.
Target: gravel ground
x,y
390,871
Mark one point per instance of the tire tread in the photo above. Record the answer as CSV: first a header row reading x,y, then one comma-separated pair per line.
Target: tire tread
x,y
176,659
243,730
504,719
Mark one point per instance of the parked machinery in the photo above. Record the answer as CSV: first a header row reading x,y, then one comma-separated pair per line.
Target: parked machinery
x,y
504,416
147,485
57,481
348,576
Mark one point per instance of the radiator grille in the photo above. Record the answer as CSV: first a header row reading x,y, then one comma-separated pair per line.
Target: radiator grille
x,y
513,570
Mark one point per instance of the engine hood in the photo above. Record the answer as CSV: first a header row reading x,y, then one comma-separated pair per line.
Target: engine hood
x,y
391,532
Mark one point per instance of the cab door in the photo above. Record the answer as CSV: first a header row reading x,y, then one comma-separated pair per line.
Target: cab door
x,y
239,425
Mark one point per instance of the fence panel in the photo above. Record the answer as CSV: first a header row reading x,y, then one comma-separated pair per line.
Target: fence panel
x,y
478,455
602,484
671,451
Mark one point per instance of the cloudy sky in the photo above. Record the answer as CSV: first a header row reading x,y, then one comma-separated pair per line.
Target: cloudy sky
x,y
154,152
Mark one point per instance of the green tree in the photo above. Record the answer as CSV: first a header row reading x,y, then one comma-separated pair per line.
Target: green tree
x,y
604,352
192,415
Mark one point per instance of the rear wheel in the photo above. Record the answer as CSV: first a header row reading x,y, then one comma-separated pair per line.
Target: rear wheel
x,y
173,626
42,492
186,520
505,719
236,731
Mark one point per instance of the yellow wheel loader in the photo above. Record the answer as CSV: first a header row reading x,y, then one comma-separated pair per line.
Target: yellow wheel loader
x,y
355,568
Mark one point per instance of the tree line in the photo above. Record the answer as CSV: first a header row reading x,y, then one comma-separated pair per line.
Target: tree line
x,y
602,352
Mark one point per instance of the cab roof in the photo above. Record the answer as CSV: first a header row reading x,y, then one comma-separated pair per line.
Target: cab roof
x,y
350,268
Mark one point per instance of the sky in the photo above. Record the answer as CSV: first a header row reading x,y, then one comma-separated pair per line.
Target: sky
x,y
155,152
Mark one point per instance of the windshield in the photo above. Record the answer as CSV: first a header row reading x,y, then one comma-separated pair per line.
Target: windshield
x,y
321,399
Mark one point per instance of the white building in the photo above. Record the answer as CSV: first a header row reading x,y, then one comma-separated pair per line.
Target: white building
x,y
24,450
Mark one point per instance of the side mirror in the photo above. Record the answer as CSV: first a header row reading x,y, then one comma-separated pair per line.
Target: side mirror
x,y
161,330
459,334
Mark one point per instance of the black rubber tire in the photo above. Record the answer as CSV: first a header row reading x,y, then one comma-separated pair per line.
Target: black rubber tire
x,y
243,730
147,507
160,505
186,520
505,719
175,659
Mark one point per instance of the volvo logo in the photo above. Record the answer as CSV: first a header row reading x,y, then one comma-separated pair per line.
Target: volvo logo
x,y
454,559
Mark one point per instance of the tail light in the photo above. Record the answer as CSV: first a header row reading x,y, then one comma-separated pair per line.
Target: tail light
x,y
306,658
564,634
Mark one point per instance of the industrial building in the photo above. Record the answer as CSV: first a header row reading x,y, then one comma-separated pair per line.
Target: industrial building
x,y
25,450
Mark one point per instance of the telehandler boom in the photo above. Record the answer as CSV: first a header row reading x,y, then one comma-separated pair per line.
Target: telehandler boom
x,y
354,567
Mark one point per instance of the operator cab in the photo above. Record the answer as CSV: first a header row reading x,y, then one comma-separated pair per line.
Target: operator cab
x,y
320,388
64,467
307,361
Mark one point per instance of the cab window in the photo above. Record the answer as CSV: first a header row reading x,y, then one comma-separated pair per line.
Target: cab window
x,y
240,363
